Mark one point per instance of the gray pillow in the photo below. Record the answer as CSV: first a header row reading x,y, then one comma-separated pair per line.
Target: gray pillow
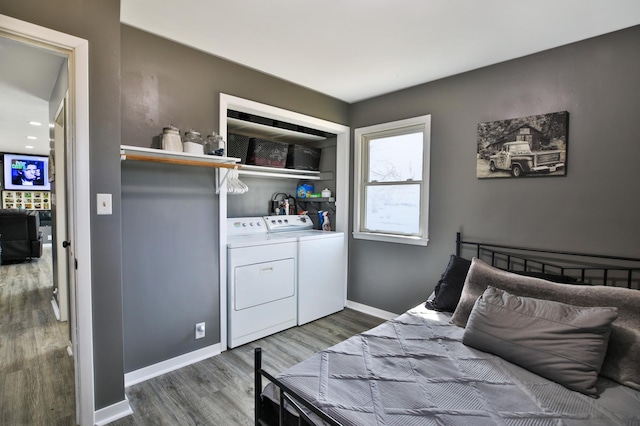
x,y
561,342
621,363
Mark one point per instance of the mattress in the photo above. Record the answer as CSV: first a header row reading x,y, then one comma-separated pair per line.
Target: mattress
x,y
414,370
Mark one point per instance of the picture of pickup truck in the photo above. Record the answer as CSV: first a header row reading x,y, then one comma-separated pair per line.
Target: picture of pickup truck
x,y
517,158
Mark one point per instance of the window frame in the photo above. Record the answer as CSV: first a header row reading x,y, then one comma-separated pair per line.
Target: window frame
x,y
362,136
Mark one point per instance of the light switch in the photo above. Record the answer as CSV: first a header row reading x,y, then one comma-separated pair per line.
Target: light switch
x,y
104,204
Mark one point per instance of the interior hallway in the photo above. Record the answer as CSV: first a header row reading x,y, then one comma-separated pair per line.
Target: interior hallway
x,y
36,373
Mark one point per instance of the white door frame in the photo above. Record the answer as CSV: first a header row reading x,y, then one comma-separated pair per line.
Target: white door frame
x,y
81,199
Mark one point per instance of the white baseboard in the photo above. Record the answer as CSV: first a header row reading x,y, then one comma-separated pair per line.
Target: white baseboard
x,y
112,413
56,310
370,310
163,367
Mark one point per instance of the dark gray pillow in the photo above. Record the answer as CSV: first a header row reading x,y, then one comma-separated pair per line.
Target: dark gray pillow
x,y
564,343
448,289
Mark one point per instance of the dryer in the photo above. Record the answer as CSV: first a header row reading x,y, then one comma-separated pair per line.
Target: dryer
x,y
261,281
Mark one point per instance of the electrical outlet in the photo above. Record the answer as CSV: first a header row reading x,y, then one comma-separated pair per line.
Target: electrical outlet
x,y
199,330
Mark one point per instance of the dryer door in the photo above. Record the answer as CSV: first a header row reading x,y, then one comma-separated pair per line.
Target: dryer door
x,y
261,283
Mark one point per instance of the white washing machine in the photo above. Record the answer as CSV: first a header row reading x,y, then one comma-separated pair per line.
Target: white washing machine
x,y
261,281
322,267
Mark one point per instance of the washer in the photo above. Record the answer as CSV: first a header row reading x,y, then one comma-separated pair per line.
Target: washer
x,y
321,266
261,281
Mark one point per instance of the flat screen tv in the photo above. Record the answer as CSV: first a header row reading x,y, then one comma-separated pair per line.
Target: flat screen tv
x,y
26,172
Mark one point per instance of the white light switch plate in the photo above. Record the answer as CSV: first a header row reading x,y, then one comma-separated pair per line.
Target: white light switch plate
x,y
104,204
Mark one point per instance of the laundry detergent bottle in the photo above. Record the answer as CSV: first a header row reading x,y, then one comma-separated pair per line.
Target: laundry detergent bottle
x,y
326,225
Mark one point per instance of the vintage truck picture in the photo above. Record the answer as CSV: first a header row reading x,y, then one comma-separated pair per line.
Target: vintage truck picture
x,y
526,146
518,158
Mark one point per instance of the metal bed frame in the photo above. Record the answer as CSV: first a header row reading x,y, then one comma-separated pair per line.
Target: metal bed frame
x,y
585,267
588,268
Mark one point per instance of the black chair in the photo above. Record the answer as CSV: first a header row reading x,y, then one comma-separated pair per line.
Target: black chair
x,y
20,238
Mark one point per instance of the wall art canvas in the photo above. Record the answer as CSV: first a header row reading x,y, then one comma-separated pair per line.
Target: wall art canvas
x,y
523,147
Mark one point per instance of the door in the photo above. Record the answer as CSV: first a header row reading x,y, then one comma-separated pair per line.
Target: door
x,y
59,203
68,253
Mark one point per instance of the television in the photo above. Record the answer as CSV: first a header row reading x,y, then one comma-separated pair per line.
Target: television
x,y
26,172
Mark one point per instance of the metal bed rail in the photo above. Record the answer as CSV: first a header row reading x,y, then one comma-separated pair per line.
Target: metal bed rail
x,y
573,264
286,396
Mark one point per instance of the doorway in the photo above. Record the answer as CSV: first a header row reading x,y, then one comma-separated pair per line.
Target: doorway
x,y
77,204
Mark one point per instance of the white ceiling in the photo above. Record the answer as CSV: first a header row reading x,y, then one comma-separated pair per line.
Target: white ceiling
x,y
27,77
357,49
348,49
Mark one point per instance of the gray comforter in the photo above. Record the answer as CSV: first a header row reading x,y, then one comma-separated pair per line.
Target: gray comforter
x,y
414,370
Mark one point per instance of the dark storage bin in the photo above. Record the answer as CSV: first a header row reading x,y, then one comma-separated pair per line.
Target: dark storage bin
x,y
267,153
301,157
238,146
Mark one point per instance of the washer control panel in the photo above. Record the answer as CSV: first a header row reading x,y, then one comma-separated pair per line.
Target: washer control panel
x,y
288,223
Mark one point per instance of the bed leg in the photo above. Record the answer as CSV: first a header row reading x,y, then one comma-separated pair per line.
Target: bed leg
x,y
257,385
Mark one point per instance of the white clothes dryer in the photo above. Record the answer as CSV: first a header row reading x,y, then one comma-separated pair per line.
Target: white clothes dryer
x,y
261,281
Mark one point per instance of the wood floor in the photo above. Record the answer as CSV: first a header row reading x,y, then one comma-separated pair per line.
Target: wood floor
x,y
36,373
219,390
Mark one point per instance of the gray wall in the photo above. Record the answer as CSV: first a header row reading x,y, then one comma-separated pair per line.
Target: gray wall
x,y
169,261
593,209
169,213
99,23
167,83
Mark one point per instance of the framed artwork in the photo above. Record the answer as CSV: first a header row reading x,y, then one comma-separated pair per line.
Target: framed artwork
x,y
28,200
525,146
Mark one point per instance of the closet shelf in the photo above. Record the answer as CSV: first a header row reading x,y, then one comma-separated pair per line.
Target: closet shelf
x,y
280,173
137,153
316,200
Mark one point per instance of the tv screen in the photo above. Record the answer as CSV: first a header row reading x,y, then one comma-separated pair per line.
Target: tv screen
x,y
26,172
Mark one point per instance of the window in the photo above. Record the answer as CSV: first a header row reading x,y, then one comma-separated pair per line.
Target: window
x,y
392,181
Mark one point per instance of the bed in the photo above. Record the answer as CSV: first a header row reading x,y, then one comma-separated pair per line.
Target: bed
x,y
511,336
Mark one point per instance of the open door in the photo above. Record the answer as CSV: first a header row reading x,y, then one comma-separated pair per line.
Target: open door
x,y
59,173
65,259
78,203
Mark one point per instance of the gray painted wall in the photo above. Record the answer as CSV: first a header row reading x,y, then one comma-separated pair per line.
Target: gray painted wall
x,y
592,209
169,213
167,83
169,261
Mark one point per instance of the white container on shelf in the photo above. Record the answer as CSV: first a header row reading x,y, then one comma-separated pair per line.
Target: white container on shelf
x,y
171,140
326,193
192,142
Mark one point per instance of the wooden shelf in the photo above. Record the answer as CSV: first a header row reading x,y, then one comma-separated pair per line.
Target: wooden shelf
x,y
137,153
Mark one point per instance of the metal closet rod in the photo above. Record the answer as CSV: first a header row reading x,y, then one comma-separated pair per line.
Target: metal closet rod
x,y
182,161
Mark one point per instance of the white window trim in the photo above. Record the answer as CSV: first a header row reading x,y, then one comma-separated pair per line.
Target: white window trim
x,y
358,181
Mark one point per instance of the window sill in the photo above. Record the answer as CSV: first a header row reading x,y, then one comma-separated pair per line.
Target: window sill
x,y
386,238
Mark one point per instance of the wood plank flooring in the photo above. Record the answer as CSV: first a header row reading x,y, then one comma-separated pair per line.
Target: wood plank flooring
x,y
36,373
219,390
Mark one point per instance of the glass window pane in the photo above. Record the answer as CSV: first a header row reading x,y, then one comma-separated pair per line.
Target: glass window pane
x,y
393,208
396,158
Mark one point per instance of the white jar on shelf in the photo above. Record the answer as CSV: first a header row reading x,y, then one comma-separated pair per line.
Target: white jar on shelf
x,y
192,142
326,193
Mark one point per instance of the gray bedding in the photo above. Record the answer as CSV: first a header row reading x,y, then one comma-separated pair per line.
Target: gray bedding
x,y
414,370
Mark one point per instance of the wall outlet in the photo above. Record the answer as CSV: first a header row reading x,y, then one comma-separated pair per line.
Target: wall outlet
x,y
199,330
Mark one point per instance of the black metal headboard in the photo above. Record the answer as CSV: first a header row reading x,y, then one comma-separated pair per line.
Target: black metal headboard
x,y
594,269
